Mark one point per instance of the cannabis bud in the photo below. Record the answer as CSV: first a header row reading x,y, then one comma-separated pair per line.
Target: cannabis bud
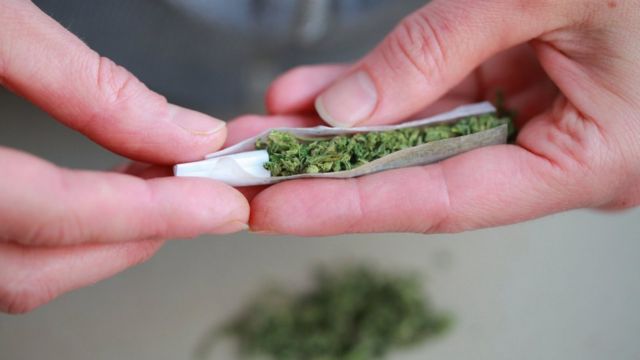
x,y
293,155
350,313
322,152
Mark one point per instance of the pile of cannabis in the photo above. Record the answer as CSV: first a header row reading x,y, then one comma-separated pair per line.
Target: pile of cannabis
x,y
291,155
355,313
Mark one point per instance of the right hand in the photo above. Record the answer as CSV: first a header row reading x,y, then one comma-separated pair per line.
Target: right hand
x,y
581,152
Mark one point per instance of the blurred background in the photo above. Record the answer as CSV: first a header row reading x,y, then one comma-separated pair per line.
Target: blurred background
x,y
563,287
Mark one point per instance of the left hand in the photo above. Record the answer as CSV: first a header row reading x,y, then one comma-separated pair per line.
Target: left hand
x,y
61,229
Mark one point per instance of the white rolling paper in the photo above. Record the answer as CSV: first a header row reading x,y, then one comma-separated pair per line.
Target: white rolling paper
x,y
242,169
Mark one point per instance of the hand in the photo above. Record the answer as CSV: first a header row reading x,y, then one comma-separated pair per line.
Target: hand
x,y
571,69
61,229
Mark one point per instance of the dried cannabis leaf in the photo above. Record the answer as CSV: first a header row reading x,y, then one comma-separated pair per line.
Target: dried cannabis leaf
x,y
354,314
290,155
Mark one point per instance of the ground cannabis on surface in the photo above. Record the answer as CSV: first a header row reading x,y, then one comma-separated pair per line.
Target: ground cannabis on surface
x,y
352,314
291,155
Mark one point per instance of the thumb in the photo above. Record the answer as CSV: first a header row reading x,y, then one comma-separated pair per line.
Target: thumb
x,y
428,53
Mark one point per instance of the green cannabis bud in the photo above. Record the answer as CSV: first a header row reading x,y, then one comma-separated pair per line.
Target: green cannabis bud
x,y
291,155
355,313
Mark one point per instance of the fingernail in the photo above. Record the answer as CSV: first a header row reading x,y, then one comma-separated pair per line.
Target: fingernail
x,y
195,122
349,101
231,227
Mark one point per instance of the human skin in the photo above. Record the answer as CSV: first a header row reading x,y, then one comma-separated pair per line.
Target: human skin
x,y
61,229
570,68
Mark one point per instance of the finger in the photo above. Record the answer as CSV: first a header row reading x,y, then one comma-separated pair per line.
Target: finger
x,y
250,125
44,205
482,188
429,53
144,171
30,277
296,90
42,61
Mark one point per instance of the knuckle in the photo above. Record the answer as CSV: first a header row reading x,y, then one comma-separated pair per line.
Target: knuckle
x,y
59,231
580,146
417,43
580,159
114,82
440,208
59,228
360,206
119,95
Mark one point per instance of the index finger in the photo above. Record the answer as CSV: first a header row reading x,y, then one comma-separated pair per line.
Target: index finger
x,y
44,62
